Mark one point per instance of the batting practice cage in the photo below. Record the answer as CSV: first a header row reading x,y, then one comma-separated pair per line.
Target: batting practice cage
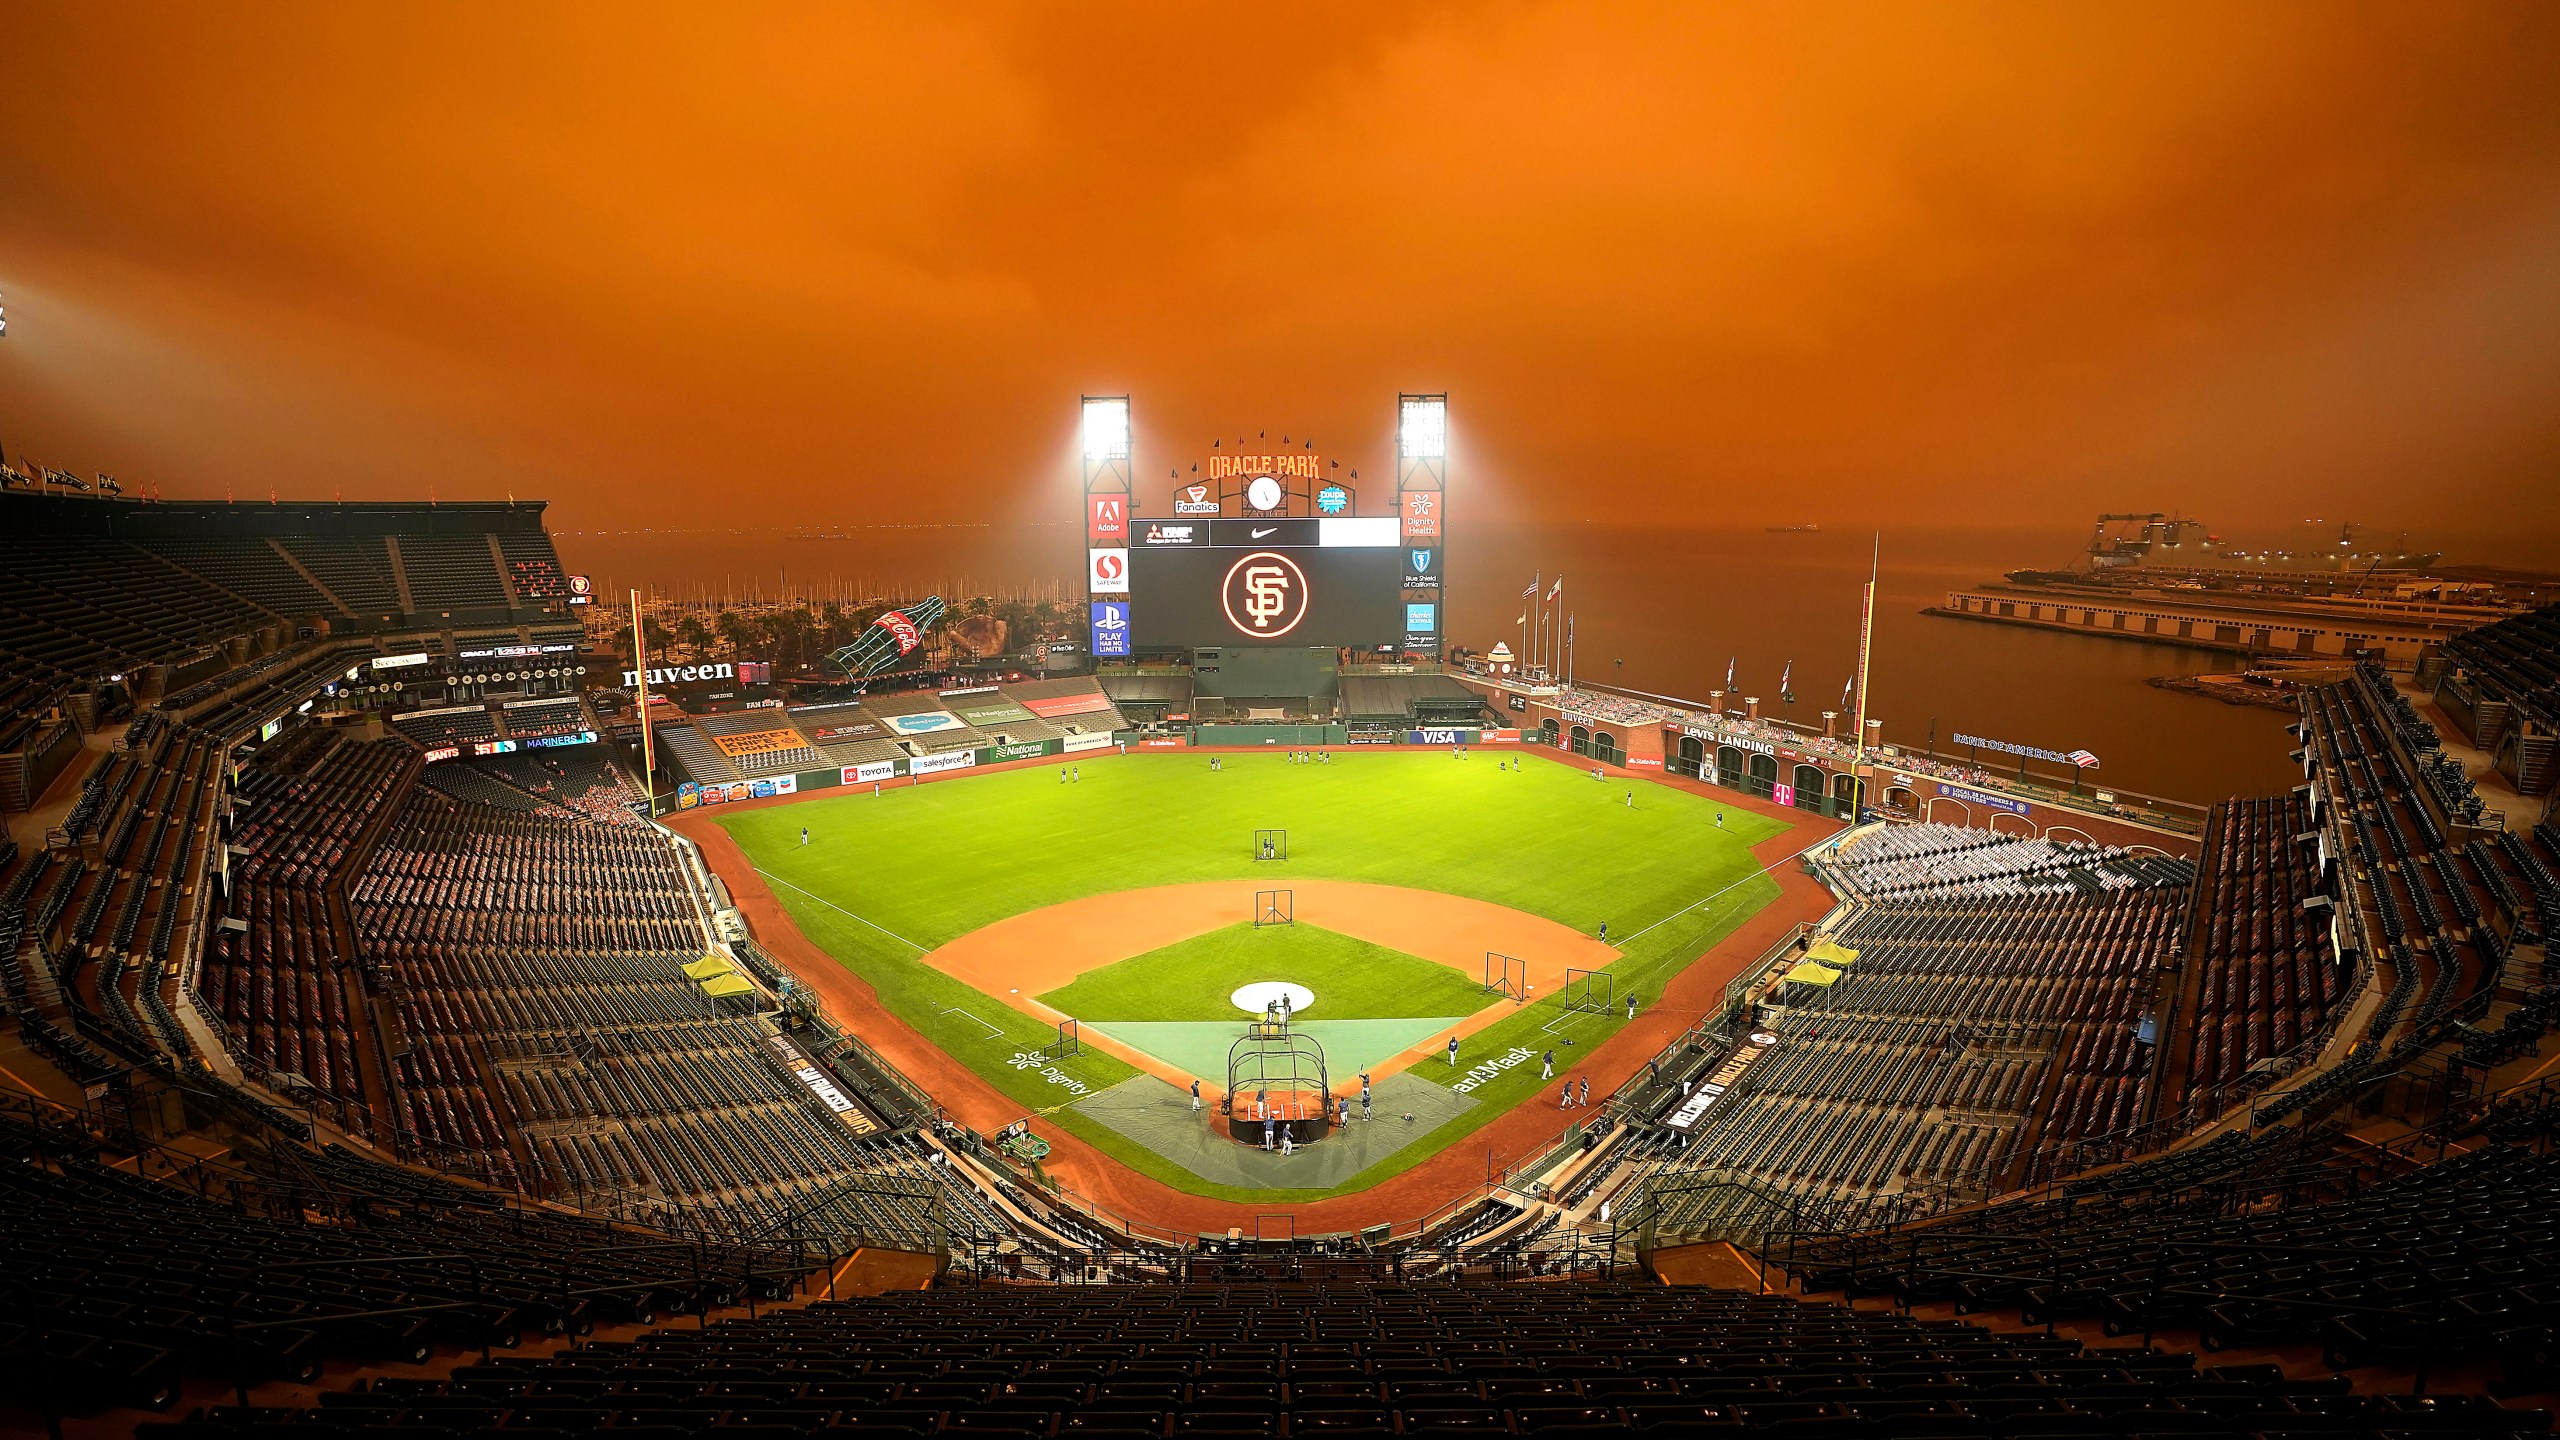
x,y
1278,1074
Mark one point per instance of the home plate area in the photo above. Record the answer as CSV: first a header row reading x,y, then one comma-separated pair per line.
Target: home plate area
x,y
1181,982
1157,1114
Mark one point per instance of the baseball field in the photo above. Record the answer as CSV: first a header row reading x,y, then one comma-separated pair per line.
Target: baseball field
x,y
1123,894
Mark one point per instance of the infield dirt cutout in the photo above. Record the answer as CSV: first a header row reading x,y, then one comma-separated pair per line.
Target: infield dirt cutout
x,y
1042,950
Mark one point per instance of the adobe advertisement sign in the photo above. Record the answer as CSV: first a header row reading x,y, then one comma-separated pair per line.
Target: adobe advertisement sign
x,y
1107,519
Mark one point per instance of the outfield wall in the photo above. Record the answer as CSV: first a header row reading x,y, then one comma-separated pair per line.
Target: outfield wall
x,y
1760,768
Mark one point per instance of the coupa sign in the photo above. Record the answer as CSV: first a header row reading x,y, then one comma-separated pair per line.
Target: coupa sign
x,y
682,674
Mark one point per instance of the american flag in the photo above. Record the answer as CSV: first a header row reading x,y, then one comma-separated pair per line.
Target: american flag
x,y
1532,592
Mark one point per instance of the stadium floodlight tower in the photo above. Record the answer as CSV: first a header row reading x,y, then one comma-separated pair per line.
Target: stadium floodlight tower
x,y
1422,509
1108,506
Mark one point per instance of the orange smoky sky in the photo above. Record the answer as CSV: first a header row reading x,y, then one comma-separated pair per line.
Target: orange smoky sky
x,y
1691,261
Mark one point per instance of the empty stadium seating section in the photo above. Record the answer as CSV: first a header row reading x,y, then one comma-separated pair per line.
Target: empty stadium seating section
x,y
2502,683
863,732
2081,1081
1971,1043
1272,1360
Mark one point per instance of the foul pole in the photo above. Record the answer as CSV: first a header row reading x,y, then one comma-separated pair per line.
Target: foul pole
x,y
648,742
1866,639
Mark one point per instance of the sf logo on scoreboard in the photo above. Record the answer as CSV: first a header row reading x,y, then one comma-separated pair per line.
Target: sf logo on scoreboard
x,y
1265,595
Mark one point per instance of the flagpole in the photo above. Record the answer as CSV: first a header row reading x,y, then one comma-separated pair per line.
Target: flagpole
x,y
1537,618
1866,639
1524,643
648,742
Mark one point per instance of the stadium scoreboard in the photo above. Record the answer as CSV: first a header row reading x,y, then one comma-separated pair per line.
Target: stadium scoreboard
x,y
1195,580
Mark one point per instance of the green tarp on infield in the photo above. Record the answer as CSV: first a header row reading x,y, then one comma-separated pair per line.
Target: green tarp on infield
x,y
1199,1047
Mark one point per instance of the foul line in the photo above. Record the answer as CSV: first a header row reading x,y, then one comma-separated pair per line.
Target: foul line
x,y
1711,899
830,904
993,1032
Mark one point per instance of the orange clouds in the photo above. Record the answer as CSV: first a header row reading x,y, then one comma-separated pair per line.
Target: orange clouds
x,y
1876,257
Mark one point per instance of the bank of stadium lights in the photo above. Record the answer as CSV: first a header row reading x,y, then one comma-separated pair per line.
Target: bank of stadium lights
x,y
1106,429
1422,430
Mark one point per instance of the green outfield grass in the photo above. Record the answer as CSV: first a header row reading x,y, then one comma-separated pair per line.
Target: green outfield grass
x,y
1195,978
886,878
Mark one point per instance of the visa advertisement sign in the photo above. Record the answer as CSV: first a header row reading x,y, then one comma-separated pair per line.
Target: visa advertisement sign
x,y
1110,628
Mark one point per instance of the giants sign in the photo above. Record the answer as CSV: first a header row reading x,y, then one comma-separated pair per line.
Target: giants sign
x,y
1265,595
1107,519
1421,514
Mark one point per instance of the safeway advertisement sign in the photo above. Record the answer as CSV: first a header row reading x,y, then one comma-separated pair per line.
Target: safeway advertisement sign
x,y
1107,570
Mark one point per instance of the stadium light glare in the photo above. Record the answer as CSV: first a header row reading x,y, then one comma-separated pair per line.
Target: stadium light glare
x,y
1106,429
1422,432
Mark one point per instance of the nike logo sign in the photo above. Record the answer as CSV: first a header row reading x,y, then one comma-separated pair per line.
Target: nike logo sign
x,y
1259,534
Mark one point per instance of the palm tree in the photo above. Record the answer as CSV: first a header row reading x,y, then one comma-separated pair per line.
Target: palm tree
x,y
695,635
